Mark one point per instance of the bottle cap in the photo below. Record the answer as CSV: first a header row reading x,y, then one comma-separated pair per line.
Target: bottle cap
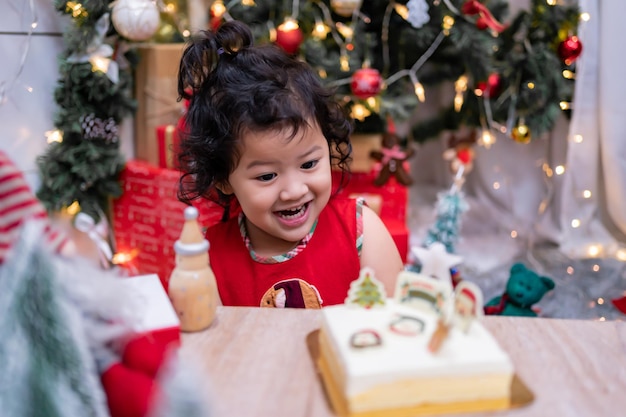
x,y
191,240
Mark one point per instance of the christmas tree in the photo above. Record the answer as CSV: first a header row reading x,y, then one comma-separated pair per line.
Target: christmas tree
x,y
81,166
512,74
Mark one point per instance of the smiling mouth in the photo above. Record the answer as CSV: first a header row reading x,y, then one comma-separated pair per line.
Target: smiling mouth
x,y
293,213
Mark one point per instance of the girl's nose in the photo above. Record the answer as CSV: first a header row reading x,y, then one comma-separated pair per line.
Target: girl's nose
x,y
293,190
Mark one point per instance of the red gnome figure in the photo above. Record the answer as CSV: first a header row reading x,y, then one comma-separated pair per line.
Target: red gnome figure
x,y
392,159
17,204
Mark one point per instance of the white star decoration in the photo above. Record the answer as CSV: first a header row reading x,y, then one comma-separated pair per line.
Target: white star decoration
x,y
436,262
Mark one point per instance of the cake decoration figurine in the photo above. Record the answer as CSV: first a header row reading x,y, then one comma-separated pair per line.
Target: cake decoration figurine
x,y
422,292
366,291
192,287
439,335
468,301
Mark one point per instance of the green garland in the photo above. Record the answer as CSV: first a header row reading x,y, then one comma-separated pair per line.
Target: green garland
x,y
85,165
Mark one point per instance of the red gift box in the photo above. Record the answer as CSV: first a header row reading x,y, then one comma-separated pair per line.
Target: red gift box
x,y
167,140
394,198
148,218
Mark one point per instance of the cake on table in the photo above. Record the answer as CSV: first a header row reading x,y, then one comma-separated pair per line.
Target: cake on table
x,y
424,350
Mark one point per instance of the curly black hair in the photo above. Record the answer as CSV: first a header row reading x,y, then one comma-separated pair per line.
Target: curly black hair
x,y
234,87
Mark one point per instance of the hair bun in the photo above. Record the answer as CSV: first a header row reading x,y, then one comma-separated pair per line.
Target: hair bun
x,y
233,36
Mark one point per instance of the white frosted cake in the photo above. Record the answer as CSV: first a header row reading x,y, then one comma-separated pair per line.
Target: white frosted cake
x,y
380,354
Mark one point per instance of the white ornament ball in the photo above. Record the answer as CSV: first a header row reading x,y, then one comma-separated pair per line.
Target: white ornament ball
x,y
137,20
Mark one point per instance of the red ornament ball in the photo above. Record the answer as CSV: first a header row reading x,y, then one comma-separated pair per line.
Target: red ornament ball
x,y
570,49
289,37
366,82
492,87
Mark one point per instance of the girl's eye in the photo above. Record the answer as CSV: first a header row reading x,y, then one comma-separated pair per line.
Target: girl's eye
x,y
266,177
309,164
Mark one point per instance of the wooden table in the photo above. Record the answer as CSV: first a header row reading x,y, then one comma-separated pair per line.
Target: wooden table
x,y
258,364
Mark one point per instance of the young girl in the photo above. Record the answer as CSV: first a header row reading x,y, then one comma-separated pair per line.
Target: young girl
x,y
263,133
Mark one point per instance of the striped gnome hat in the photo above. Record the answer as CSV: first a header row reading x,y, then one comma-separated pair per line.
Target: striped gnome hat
x,y
18,204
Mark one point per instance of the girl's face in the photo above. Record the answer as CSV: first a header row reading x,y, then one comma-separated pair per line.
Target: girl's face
x,y
282,185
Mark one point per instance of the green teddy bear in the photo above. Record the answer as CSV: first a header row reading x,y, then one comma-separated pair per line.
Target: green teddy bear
x,y
523,289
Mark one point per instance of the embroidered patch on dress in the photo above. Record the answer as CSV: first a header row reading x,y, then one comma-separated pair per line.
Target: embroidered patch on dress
x,y
292,293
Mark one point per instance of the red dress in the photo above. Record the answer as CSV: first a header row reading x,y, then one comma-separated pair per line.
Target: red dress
x,y
329,261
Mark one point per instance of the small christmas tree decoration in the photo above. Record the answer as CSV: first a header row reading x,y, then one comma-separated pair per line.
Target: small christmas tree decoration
x,y
366,83
137,20
192,287
570,49
289,36
366,291
521,133
450,206
345,8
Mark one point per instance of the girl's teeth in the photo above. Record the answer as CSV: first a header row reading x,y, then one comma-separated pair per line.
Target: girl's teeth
x,y
292,214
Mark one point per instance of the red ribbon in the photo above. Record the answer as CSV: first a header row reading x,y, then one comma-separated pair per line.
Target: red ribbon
x,y
392,153
486,19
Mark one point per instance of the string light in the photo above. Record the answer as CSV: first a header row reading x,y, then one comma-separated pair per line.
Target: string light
x,y
448,22
585,16
218,9
578,138
570,270
99,63
344,62
419,91
5,87
460,85
496,185
569,75
373,103
587,194
359,112
513,234
575,223
487,138
621,254
559,170
402,10
594,251
54,136
346,31
551,2
73,208
320,30
565,105
77,9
